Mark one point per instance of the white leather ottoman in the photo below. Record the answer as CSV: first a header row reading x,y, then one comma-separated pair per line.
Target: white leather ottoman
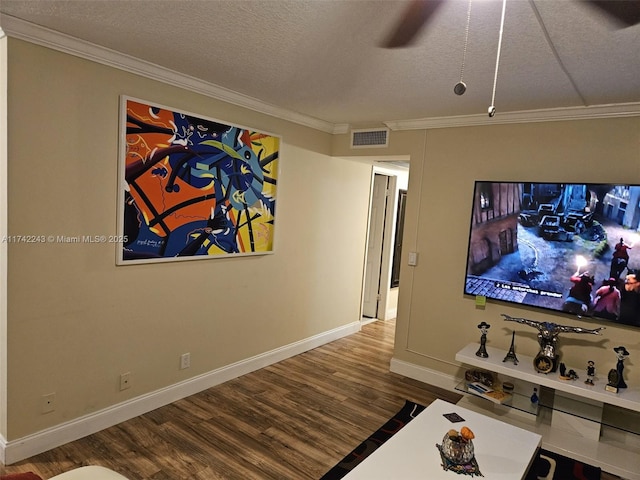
x,y
89,473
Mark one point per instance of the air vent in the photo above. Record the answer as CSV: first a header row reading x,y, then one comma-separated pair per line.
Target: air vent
x,y
370,138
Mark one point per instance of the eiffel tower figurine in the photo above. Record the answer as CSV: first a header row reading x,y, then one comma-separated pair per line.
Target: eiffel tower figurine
x,y
511,354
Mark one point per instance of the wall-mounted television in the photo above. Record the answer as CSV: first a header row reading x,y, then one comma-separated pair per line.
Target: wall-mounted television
x,y
566,247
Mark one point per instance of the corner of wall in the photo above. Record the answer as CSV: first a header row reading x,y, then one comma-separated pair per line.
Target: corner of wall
x,y
3,244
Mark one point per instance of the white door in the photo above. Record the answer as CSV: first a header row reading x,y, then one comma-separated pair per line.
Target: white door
x,y
374,246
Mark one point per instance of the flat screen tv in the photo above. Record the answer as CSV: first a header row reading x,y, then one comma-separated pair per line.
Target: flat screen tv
x,y
566,247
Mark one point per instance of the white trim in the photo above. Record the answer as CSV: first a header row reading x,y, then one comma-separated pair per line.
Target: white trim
x,y
16,450
22,30
4,212
45,37
423,374
528,116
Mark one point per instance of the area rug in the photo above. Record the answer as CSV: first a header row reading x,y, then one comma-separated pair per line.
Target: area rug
x,y
366,448
546,466
551,466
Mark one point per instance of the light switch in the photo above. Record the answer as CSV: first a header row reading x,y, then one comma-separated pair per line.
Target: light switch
x,y
413,258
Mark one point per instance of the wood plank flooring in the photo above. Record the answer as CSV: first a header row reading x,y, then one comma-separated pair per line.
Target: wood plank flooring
x,y
290,421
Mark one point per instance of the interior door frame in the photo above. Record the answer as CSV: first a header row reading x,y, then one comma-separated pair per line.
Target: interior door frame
x,y
387,245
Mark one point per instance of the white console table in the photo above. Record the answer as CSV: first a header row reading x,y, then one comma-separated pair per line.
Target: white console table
x,y
583,422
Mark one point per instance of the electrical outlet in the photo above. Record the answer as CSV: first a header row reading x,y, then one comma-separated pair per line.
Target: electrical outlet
x,y
185,361
125,381
48,403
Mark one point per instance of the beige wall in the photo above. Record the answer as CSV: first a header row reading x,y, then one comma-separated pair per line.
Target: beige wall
x,y
76,321
435,319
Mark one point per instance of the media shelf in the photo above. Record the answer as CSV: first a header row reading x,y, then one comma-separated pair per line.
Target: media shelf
x,y
577,420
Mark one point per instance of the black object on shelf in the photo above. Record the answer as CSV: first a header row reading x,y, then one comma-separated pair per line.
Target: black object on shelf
x,y
511,354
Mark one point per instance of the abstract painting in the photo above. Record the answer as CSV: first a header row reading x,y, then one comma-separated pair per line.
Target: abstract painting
x,y
193,187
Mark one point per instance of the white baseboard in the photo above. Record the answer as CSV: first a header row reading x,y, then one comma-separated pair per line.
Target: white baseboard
x,y
423,374
16,450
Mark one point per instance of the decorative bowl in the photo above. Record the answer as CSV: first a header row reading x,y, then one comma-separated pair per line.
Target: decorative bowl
x,y
457,450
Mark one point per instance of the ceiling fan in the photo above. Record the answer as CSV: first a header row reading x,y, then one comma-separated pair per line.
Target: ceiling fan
x,y
420,12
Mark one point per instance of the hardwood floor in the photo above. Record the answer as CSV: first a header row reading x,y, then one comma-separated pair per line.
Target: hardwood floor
x,y
290,421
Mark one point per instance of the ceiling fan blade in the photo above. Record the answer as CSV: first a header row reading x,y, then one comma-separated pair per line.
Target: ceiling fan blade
x,y
413,19
626,12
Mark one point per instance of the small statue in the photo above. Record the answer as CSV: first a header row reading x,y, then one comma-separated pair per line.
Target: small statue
x,y
591,372
482,351
564,375
511,354
563,370
547,360
616,376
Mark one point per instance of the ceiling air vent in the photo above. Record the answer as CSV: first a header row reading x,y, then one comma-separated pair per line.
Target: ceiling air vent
x,y
370,138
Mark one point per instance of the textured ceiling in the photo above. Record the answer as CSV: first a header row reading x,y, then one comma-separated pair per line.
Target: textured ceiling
x,y
322,58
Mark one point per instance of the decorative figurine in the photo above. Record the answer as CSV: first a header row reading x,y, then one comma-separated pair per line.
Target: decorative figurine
x,y
616,377
482,351
564,375
591,372
547,359
511,354
563,371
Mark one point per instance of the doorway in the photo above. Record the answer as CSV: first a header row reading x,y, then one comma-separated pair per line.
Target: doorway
x,y
373,266
381,270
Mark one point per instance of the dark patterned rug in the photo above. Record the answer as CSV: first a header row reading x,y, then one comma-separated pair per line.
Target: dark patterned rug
x,y
551,466
384,433
547,466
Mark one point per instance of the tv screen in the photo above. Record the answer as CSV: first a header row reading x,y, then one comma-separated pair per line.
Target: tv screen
x,y
567,247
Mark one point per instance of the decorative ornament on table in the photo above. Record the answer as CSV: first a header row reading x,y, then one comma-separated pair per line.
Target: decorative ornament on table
x,y
482,351
616,375
547,359
457,452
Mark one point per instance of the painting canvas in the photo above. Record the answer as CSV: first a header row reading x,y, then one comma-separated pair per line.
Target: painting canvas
x,y
193,187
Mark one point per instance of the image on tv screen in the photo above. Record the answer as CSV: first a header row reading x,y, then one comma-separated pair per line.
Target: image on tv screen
x,y
567,247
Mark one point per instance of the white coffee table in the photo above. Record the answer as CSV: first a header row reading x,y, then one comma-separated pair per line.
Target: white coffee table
x,y
503,452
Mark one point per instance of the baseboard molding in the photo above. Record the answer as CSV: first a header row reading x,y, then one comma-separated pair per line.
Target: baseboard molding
x,y
16,450
423,374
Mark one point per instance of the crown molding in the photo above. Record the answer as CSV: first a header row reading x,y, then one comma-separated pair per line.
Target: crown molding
x,y
22,30
528,116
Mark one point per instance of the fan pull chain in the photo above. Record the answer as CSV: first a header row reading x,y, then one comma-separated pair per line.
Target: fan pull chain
x,y
461,87
492,108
